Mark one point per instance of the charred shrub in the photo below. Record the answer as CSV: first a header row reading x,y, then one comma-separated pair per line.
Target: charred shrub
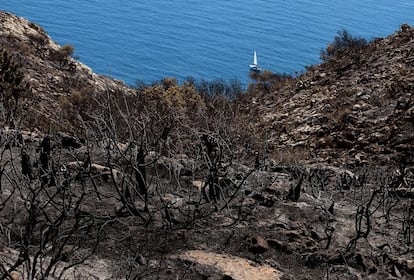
x,y
62,55
343,43
11,84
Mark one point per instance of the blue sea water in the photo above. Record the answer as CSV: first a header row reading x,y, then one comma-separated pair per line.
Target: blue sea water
x,y
148,40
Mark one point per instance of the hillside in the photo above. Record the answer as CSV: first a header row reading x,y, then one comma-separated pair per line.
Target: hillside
x,y
49,74
346,110
307,177
356,107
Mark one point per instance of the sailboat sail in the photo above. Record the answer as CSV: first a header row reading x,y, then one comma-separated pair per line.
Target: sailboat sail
x,y
255,58
255,67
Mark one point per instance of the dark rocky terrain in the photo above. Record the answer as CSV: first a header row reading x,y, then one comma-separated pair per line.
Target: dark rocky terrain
x,y
299,178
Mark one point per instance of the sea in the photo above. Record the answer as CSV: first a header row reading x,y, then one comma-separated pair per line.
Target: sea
x,y
136,40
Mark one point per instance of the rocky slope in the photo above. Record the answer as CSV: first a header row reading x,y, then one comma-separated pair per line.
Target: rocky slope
x,y
49,76
356,107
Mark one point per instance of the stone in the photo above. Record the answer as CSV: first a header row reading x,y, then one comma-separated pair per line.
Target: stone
x,y
98,169
140,259
15,275
173,201
410,264
258,245
227,266
68,141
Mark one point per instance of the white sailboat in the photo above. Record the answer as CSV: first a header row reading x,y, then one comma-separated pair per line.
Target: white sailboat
x,y
255,67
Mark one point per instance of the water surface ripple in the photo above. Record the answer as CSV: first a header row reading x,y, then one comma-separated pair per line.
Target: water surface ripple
x,y
148,40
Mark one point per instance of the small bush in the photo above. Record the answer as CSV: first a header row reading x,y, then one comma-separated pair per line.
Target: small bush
x,y
24,48
62,54
267,81
66,50
38,28
37,38
79,100
343,42
12,85
174,96
209,88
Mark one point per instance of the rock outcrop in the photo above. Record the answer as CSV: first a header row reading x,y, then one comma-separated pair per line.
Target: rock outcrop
x,y
228,266
50,76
